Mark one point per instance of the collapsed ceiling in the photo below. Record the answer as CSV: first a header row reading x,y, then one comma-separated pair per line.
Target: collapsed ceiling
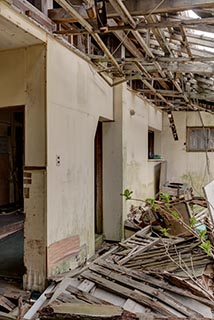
x,y
161,47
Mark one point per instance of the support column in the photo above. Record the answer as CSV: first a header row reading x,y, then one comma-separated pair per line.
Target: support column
x,y
113,171
35,195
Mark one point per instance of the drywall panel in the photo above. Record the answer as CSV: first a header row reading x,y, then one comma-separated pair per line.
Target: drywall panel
x,y
12,75
76,98
194,168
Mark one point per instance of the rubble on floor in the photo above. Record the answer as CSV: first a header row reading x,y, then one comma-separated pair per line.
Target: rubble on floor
x,y
144,277
14,302
159,272
172,215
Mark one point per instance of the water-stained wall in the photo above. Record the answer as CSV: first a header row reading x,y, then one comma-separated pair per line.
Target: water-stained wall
x,y
194,168
76,98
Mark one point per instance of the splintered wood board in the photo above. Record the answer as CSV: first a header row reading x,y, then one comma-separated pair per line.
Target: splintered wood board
x,y
88,309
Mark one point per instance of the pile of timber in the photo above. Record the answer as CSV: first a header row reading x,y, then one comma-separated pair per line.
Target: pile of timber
x,y
14,302
144,251
161,218
143,277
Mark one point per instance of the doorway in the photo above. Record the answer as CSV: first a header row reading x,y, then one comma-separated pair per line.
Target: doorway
x,y
11,191
98,156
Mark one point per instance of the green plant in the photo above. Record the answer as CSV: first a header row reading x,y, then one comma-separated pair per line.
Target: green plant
x,y
167,208
165,197
151,202
127,194
193,221
206,246
175,214
203,234
165,231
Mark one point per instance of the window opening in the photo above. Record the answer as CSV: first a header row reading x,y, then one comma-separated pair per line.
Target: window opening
x,y
200,139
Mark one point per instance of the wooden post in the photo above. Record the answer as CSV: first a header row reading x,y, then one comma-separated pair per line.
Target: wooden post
x,y
46,5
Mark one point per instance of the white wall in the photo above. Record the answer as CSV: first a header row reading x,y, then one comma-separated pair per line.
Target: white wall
x,y
76,98
182,166
138,171
126,164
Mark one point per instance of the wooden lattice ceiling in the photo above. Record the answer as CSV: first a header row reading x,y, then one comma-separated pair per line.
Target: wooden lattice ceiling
x,y
152,44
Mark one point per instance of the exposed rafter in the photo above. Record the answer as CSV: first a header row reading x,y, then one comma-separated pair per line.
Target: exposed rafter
x,y
65,5
157,50
145,7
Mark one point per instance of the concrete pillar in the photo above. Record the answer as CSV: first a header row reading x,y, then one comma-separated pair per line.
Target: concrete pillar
x,y
113,171
35,226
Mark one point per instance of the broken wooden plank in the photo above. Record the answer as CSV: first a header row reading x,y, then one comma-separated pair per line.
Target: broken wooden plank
x,y
157,283
87,310
86,285
6,303
127,293
146,289
66,298
84,296
39,303
6,316
138,251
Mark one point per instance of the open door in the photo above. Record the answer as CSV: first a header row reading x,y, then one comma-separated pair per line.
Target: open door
x,y
11,191
98,183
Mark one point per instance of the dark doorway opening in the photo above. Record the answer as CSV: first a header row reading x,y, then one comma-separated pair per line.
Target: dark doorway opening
x,y
11,191
151,141
99,180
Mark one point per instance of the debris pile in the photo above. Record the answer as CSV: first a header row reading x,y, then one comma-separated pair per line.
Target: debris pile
x,y
145,276
170,215
14,302
142,276
164,270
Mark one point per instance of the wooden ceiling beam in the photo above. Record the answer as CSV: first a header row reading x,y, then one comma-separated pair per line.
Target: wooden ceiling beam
x,y
65,5
60,15
195,67
121,9
170,93
138,8
186,42
159,36
146,7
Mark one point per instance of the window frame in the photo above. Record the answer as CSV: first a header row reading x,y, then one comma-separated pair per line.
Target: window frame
x,y
188,131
